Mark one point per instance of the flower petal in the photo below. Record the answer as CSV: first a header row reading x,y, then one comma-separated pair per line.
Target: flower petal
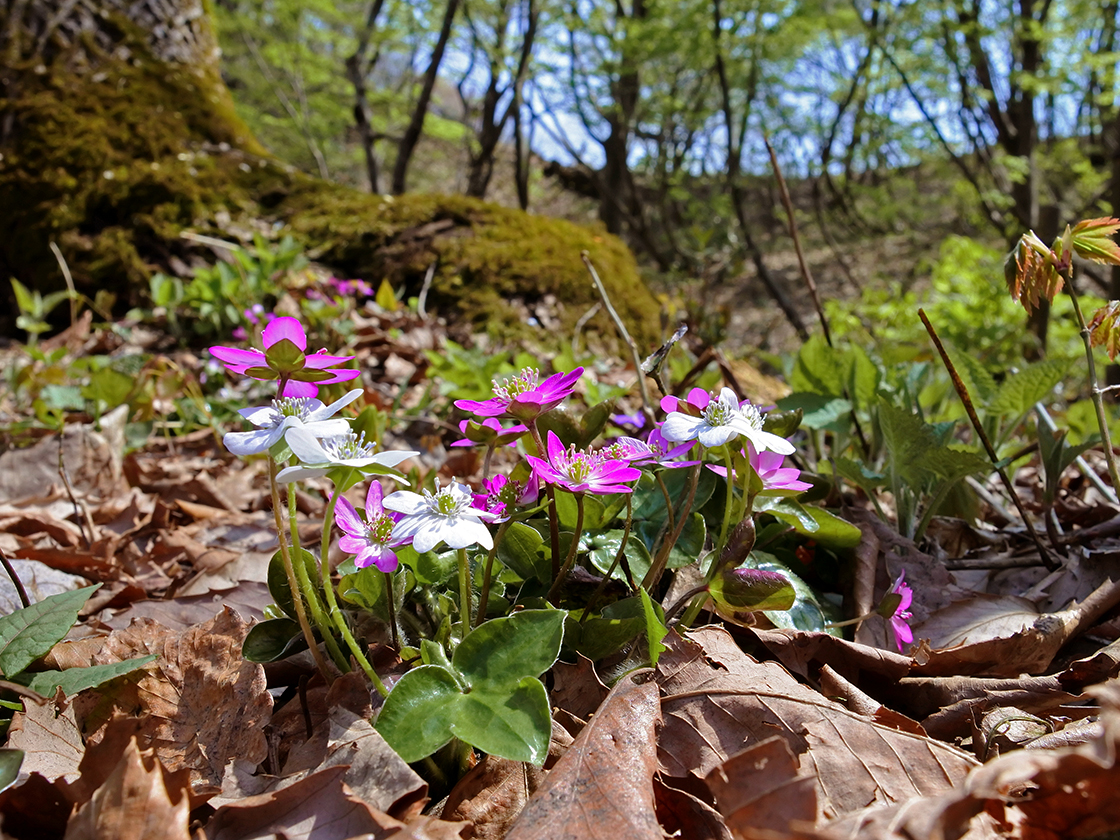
x,y
305,446
406,502
237,356
347,518
251,443
373,500
678,427
295,388
285,327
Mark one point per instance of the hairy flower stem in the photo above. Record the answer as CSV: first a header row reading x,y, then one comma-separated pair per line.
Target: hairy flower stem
x,y
332,603
728,502
464,591
1094,388
553,517
570,560
484,595
290,572
659,563
308,587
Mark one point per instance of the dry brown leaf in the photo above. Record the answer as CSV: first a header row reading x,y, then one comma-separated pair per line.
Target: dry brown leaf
x,y
576,688
799,649
603,786
760,789
494,792
717,701
48,734
133,804
319,807
683,814
201,703
35,808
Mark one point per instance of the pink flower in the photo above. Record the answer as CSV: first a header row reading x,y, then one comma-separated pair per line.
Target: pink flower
x,y
502,493
899,613
369,538
523,397
489,432
285,346
776,479
578,471
654,450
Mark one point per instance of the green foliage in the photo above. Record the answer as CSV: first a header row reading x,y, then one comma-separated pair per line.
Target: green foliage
x,y
35,307
489,697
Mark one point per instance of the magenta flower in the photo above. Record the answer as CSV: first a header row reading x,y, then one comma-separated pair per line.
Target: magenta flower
x,y
502,493
523,397
285,355
655,450
369,537
899,613
489,432
715,419
578,471
775,478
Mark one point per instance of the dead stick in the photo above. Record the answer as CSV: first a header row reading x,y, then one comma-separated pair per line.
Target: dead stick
x,y
23,599
962,392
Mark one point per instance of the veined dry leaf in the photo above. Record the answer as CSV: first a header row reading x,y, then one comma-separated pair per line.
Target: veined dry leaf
x,y
134,803
796,649
48,734
603,786
494,792
683,814
201,703
717,701
576,688
319,807
760,790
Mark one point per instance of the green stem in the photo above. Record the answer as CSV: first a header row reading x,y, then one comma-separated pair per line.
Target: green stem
x,y
290,573
662,559
332,603
464,591
729,501
553,517
484,596
619,557
309,589
570,560
668,501
1096,393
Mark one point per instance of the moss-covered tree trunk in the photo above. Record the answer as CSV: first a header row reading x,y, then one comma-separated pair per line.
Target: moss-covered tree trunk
x,y
117,136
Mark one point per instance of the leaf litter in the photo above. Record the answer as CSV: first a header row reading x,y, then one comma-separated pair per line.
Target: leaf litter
x,y
1004,720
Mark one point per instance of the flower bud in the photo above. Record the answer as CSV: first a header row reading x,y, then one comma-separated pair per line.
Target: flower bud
x,y
750,590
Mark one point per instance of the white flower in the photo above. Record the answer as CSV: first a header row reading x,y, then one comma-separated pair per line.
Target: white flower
x,y
284,413
444,516
345,450
722,419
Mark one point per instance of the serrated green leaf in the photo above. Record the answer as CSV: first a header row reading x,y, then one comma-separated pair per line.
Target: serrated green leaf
x,y
864,379
819,368
514,725
907,439
1020,391
417,716
73,680
981,384
505,650
954,464
27,634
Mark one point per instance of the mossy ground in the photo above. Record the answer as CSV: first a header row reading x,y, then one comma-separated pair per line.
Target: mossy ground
x,y
113,162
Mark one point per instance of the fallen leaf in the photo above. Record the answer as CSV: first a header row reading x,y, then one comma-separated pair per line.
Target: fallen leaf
x,y
683,814
134,803
760,789
717,701
319,807
603,786
48,734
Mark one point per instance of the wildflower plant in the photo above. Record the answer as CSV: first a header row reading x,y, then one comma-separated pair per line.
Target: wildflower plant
x,y
481,587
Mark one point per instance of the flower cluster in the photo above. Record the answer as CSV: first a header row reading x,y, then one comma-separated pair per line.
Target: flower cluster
x,y
714,419
523,397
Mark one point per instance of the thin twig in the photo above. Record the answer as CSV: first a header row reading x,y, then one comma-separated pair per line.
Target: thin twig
x,y
962,391
805,273
643,389
23,599
69,282
422,300
79,512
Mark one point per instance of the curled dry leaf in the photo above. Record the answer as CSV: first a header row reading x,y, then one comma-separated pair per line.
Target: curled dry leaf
x,y
603,786
201,703
717,701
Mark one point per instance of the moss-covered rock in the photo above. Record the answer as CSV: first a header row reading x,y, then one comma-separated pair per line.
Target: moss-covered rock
x,y
114,158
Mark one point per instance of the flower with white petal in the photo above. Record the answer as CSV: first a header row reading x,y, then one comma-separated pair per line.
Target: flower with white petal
x,y
446,515
284,413
321,455
721,419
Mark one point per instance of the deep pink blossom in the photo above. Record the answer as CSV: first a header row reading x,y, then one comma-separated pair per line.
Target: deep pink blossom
x,y
523,397
578,471
775,477
655,450
368,537
316,367
903,635
489,432
502,493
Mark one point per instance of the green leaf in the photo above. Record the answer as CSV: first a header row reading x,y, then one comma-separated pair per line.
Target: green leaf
x,y
504,650
1020,391
24,299
417,716
954,464
819,411
819,369
272,640
10,762
514,725
594,421
907,439
826,528
73,680
865,377
601,636
807,613
980,381
688,546
278,585
386,298
568,511
431,569
655,627
859,474
602,547
518,551
27,634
